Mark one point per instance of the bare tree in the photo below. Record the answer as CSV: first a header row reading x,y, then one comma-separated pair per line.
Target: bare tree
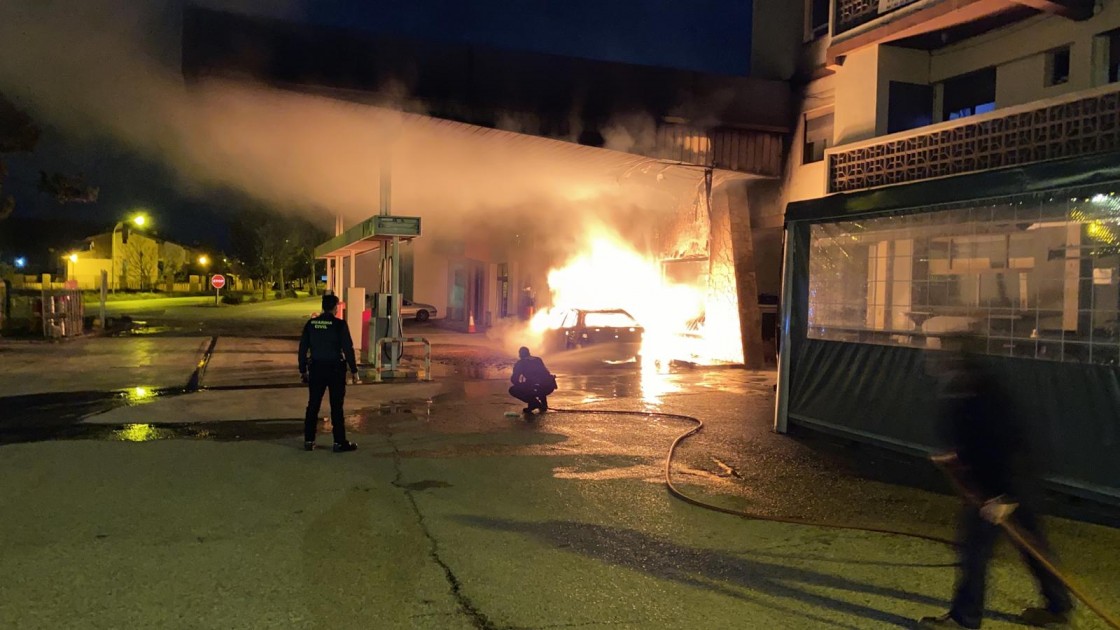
x,y
140,256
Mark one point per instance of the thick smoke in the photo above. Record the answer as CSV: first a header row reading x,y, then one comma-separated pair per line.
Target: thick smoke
x,y
109,69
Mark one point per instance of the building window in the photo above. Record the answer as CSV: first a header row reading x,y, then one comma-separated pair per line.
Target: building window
x,y
1110,55
818,136
1036,276
1057,67
818,18
969,94
909,106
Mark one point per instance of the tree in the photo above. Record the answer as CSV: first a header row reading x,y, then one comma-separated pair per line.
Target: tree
x,y
140,259
273,247
20,134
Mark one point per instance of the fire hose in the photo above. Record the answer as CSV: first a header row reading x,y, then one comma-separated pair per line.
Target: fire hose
x,y
1013,532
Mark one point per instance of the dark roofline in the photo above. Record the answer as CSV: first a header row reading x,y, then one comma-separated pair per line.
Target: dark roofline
x,y
476,84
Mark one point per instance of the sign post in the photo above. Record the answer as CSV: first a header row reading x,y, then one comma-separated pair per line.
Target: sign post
x,y
217,281
104,289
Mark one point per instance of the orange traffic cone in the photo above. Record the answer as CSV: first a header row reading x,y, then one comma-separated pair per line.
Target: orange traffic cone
x,y
470,325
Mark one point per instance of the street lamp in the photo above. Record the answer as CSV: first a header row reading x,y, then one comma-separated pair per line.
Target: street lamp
x,y
20,262
203,260
139,220
73,258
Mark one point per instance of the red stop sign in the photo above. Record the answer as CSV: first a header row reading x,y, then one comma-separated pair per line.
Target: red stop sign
x,y
217,281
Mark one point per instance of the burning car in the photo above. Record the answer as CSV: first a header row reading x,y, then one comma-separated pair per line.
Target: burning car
x,y
612,330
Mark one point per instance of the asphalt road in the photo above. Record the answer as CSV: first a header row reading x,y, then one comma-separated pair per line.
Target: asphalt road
x,y
202,511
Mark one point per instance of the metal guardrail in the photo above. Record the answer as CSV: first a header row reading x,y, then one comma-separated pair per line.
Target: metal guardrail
x,y
377,370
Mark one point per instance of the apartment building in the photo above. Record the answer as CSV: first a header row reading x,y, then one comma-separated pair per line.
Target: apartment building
x,y
956,167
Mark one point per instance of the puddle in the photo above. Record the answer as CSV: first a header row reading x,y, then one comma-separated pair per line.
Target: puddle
x,y
58,416
473,372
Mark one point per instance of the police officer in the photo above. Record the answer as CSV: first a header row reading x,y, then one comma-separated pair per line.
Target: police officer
x,y
325,351
532,382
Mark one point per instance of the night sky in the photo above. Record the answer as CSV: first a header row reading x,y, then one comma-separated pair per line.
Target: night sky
x,y
704,35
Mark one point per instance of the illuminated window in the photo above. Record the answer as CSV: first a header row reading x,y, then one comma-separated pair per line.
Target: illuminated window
x,y
1036,276
1107,51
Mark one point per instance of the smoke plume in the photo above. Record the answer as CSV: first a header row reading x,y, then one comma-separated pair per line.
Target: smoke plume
x,y
110,69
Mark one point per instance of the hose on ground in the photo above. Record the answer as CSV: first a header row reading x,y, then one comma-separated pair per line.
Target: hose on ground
x,y
1016,536
1027,544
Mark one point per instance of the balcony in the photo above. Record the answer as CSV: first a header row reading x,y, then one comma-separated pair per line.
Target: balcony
x,y
858,24
853,13
1078,124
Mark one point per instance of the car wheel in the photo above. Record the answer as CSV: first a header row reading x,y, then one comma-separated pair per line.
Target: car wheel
x,y
422,315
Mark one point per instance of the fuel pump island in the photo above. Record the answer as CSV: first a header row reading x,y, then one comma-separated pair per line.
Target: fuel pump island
x,y
378,330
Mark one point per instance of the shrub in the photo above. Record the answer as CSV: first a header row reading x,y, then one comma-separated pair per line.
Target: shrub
x,y
231,298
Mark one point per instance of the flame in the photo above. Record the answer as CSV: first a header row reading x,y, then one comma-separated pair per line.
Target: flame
x,y
608,273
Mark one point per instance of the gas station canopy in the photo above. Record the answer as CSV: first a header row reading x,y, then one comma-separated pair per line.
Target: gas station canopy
x,y
369,235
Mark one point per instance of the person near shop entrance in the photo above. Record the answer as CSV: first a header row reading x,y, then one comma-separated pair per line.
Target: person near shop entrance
x,y
325,352
991,459
532,382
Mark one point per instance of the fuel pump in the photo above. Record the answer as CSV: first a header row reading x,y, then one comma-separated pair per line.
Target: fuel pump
x,y
385,322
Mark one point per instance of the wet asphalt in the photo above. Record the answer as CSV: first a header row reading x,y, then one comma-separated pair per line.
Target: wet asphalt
x,y
453,515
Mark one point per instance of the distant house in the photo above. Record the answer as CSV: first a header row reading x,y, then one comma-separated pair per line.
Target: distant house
x,y
130,259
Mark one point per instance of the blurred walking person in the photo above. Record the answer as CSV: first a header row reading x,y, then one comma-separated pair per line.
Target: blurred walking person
x,y
325,352
992,460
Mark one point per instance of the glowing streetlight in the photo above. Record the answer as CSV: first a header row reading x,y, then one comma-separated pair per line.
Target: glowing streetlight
x,y
73,258
203,260
20,262
138,220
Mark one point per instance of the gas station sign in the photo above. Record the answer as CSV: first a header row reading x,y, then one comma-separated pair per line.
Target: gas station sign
x,y
396,226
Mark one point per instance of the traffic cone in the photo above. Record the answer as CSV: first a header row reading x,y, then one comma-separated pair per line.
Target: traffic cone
x,y
470,325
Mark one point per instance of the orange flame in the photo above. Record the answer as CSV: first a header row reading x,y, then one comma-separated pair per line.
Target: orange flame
x,y
610,274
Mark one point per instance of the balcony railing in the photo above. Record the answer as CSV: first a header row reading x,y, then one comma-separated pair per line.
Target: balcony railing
x,y
853,13
1079,124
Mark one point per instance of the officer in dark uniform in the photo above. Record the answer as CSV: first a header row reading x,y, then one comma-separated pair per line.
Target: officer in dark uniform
x,y
325,351
532,382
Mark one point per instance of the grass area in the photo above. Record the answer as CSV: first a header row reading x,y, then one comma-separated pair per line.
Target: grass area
x,y
94,297
125,296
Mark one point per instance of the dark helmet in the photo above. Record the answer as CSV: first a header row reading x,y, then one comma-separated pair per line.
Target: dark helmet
x,y
523,352
330,302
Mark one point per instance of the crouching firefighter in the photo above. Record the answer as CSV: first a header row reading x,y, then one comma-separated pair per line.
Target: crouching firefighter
x,y
325,352
532,382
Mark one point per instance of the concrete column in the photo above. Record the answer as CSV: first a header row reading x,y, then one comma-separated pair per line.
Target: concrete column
x,y
1071,295
731,215
878,267
353,269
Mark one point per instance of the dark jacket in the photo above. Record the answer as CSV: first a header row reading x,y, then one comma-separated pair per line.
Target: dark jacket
x,y
326,339
981,423
532,371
